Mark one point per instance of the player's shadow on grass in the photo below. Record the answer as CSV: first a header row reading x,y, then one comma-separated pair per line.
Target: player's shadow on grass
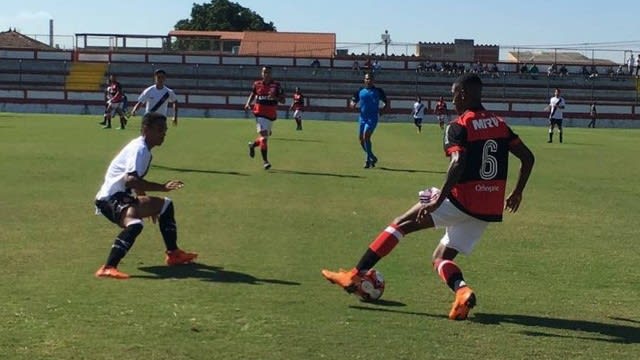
x,y
205,273
615,333
368,306
295,172
301,140
411,170
162,167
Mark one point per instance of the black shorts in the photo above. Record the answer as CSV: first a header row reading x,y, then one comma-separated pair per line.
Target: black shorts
x,y
113,207
557,122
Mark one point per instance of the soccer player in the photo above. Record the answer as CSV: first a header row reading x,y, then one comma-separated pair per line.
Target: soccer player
x,y
157,97
263,99
115,104
593,114
297,106
418,113
369,98
122,198
555,107
441,112
472,195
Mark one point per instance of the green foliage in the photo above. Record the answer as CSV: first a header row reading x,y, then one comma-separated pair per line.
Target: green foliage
x,y
556,280
219,15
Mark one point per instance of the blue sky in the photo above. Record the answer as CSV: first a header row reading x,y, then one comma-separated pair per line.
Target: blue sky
x,y
503,22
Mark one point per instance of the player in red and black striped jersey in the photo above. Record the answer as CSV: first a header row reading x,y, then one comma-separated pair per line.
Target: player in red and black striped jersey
x,y
441,111
265,95
115,103
297,106
478,144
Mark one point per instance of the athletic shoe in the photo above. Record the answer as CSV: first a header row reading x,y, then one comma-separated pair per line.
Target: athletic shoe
x,y
465,301
348,280
179,257
252,149
112,272
267,166
103,123
107,127
367,165
374,161
120,128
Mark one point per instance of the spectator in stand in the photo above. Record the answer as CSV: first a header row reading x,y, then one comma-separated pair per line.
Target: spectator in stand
x,y
355,68
585,72
637,64
524,71
563,70
593,73
619,73
376,66
630,63
494,71
533,71
552,70
315,64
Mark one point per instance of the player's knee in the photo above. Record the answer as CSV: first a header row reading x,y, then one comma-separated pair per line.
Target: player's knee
x,y
167,207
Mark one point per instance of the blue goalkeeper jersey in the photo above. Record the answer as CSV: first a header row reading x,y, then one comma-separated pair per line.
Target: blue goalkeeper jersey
x,y
369,100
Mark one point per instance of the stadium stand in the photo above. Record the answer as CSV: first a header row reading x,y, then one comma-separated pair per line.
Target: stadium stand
x,y
218,85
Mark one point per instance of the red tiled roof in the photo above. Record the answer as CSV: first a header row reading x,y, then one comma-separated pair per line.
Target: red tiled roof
x,y
13,39
267,43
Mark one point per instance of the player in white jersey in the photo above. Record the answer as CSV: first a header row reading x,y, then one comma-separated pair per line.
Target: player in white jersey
x,y
122,198
418,113
555,107
157,97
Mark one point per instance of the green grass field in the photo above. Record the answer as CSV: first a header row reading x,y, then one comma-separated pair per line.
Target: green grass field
x,y
557,280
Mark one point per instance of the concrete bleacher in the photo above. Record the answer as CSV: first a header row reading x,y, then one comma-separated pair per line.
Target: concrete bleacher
x,y
204,88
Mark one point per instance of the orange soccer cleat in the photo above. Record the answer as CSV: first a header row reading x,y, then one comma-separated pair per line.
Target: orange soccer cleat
x,y
179,257
112,272
465,301
348,280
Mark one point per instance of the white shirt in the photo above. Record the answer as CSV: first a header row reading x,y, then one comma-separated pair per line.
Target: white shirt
x,y
418,110
152,95
135,157
554,104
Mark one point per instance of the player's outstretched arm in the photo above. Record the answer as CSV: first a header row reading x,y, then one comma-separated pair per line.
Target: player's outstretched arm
x,y
527,159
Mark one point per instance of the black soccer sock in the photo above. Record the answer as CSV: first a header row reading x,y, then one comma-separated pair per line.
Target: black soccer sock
x,y
168,227
560,135
263,152
368,260
123,243
550,136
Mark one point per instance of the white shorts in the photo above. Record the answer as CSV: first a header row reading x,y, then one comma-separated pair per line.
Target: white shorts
x,y
462,230
297,114
263,124
114,108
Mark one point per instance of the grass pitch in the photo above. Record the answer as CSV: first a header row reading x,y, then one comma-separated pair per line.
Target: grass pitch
x,y
557,280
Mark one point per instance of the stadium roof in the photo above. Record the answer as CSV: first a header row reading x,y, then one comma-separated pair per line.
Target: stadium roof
x,y
543,57
13,39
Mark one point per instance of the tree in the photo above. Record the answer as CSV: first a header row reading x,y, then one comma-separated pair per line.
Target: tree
x,y
219,15
223,15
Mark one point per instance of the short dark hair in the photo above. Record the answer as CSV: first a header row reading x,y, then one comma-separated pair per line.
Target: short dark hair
x,y
152,118
160,71
471,83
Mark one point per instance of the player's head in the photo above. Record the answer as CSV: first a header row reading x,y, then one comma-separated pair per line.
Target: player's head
x,y
418,99
467,93
159,76
441,98
154,128
297,89
112,78
368,79
556,92
266,73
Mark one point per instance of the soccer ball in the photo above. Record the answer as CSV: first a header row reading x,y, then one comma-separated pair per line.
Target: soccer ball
x,y
371,287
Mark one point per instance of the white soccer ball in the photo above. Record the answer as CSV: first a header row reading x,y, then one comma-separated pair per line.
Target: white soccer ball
x,y
371,287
